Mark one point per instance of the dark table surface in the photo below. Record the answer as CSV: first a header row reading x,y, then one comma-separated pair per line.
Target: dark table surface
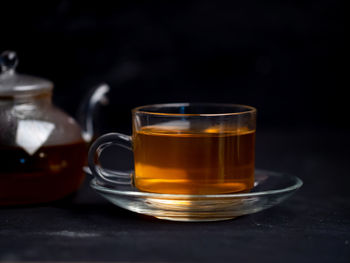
x,y
311,226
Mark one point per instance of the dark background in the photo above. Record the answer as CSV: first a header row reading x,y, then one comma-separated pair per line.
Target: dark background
x,y
284,57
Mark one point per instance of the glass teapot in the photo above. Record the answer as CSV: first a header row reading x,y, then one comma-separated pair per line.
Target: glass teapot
x,y
42,149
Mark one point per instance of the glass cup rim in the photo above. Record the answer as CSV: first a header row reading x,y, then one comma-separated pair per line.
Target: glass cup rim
x,y
142,109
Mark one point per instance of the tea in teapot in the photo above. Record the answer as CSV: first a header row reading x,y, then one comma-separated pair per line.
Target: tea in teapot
x,y
48,174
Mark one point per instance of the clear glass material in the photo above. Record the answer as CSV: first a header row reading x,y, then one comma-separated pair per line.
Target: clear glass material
x,y
194,162
194,148
270,189
42,149
14,84
185,148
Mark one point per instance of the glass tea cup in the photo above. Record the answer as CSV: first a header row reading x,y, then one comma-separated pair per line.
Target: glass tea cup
x,y
185,148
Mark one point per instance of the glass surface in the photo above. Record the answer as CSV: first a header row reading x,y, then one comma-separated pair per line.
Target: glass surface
x,y
42,149
189,148
270,188
14,84
194,148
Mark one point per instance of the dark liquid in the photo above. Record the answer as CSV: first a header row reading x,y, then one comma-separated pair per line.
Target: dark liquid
x,y
49,174
209,162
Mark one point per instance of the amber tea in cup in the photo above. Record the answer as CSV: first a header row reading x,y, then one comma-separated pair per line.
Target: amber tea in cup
x,y
188,148
169,161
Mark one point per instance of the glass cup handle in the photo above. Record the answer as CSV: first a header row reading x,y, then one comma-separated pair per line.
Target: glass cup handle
x,y
107,175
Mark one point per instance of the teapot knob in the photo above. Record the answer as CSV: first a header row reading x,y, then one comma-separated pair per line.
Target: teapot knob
x,y
8,61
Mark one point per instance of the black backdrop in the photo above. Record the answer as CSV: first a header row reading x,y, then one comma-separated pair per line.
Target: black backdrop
x,y
284,57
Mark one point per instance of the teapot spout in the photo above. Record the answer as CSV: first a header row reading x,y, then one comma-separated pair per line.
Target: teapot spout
x,y
88,107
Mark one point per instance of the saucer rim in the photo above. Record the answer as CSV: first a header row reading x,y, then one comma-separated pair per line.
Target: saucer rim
x,y
137,193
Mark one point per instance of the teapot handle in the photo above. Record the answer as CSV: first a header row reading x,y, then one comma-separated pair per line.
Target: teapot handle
x,y
88,107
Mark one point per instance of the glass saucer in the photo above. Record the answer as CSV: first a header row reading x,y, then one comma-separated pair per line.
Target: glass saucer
x,y
270,189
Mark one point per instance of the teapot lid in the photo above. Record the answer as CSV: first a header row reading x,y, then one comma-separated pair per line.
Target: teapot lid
x,y
12,83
